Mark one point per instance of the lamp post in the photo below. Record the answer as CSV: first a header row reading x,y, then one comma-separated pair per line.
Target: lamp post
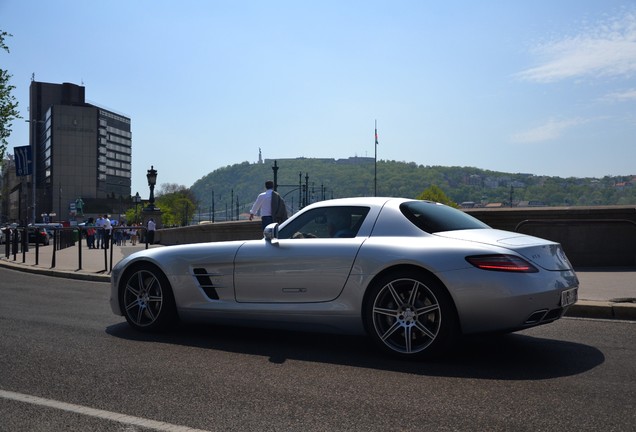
x,y
59,203
34,149
137,200
152,181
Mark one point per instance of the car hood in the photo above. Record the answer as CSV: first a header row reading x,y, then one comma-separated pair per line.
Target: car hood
x,y
544,253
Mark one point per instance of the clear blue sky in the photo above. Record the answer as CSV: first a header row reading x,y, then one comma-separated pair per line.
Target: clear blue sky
x,y
546,87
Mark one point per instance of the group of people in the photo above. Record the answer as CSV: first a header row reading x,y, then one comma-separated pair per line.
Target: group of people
x,y
100,231
269,204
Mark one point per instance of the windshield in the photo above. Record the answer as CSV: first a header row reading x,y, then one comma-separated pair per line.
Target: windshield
x,y
432,217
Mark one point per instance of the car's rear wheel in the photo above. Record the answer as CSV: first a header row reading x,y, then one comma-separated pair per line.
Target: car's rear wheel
x,y
410,315
146,298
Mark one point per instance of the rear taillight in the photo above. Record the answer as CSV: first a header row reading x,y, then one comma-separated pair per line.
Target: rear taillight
x,y
507,263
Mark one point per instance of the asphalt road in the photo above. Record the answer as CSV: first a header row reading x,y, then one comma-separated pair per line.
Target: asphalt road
x,y
67,363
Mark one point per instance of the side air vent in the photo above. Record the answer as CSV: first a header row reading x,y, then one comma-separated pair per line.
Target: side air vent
x,y
203,278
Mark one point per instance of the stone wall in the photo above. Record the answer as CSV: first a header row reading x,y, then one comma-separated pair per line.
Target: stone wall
x,y
211,232
591,236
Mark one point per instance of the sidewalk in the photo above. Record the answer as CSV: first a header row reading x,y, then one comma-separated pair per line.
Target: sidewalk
x,y
608,293
95,263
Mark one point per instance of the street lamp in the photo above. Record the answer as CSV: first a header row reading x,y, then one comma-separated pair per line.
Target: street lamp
x,y
152,181
137,200
34,149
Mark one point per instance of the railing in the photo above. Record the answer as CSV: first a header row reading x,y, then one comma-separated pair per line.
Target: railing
x,y
570,222
17,242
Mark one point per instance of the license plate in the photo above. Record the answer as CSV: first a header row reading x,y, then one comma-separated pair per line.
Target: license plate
x,y
569,297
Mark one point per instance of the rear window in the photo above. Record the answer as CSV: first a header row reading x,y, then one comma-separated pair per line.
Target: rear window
x,y
432,217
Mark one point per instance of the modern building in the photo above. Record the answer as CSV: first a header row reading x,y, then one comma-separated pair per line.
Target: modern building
x,y
82,154
13,191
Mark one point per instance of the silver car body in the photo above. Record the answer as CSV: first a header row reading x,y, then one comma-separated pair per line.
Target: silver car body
x,y
320,283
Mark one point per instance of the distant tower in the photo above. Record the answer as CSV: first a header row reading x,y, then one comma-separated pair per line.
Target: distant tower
x,y
260,156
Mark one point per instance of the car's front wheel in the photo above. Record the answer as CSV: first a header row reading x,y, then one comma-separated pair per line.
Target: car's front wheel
x,y
410,315
146,298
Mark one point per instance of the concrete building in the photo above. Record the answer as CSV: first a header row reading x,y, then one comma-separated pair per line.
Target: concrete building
x,y
13,191
82,152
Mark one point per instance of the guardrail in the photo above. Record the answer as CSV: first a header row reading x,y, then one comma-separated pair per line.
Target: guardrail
x,y
573,222
17,242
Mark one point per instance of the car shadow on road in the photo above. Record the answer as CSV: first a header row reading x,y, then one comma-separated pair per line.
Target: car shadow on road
x,y
505,357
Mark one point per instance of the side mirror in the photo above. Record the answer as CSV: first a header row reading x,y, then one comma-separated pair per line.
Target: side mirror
x,y
271,232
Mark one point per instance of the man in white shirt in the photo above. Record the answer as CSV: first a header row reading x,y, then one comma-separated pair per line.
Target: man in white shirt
x,y
108,228
151,226
264,204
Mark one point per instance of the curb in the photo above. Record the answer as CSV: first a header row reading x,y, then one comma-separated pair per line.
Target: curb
x,y
620,309
69,274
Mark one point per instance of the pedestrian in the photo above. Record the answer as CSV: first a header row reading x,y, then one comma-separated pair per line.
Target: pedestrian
x,y
108,228
99,232
124,233
132,231
115,225
151,226
263,205
90,233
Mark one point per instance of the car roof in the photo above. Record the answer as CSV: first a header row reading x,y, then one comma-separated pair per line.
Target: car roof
x,y
357,201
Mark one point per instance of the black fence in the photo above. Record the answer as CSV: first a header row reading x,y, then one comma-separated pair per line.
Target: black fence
x,y
18,240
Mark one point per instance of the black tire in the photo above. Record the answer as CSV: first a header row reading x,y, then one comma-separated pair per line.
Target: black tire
x,y
410,315
146,298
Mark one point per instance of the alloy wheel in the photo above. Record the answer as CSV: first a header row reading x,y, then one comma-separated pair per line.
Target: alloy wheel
x,y
406,316
143,298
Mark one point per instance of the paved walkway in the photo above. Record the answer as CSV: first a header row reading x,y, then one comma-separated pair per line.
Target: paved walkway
x,y
95,264
603,293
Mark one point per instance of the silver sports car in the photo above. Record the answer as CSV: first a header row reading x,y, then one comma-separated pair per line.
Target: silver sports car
x,y
412,275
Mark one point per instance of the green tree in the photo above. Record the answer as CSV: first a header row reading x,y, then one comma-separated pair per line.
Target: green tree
x,y
177,204
8,103
434,193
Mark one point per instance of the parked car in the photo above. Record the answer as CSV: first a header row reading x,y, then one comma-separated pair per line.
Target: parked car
x,y
412,275
38,234
49,227
8,232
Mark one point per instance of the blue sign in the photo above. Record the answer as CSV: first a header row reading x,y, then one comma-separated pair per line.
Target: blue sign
x,y
23,161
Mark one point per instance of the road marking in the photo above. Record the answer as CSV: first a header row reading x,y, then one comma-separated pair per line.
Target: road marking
x,y
92,412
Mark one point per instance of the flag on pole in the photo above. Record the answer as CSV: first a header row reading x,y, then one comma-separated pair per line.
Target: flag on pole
x,y
376,133
23,161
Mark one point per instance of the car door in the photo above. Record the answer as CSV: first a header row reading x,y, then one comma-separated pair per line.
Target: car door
x,y
305,265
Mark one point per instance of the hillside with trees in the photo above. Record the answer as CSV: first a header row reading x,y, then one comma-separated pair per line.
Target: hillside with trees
x,y
230,191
